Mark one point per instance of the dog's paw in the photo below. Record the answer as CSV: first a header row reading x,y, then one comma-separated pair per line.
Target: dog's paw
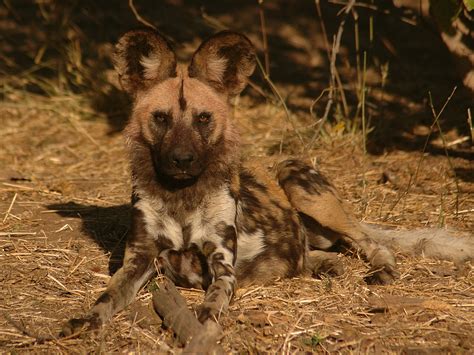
x,y
331,266
76,325
382,276
207,311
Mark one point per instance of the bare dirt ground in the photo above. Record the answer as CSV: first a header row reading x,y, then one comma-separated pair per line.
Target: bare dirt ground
x,y
64,213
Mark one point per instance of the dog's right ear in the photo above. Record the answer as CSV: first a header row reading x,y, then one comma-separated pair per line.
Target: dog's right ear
x,y
225,61
143,57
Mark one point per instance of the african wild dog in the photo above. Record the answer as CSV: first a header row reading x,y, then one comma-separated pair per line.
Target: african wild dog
x,y
210,220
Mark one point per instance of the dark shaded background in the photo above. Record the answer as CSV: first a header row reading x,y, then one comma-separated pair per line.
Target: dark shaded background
x,y
50,47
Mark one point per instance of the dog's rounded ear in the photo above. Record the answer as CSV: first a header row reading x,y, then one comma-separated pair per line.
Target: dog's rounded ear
x,y
224,61
141,58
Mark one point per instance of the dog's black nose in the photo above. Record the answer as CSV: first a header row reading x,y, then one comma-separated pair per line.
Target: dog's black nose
x,y
182,159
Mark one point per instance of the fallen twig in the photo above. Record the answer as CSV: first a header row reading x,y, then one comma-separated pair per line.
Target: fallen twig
x,y
9,208
172,308
6,234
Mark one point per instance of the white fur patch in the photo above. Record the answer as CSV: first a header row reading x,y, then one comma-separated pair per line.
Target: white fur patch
x,y
198,228
249,246
158,222
221,207
218,207
151,65
216,67
193,278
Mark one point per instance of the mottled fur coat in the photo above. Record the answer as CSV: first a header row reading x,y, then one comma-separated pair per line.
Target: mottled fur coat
x,y
203,216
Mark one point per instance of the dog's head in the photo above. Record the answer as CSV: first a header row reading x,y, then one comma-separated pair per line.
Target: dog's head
x,y
182,113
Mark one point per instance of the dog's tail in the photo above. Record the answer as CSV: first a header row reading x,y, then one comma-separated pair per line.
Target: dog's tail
x,y
429,242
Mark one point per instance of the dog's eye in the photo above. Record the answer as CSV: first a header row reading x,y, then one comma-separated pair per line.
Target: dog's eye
x,y
161,116
204,117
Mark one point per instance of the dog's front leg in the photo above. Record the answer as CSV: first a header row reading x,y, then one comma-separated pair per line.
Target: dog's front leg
x,y
218,240
125,283
221,259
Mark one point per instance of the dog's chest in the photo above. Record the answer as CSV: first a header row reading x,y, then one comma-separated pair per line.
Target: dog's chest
x,y
179,229
182,236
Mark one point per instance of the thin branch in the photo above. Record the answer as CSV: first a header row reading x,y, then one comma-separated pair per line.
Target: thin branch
x,y
471,127
323,28
377,9
264,36
212,21
138,17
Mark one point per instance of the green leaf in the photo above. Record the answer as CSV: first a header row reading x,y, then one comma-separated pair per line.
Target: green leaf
x,y
152,286
313,341
469,4
446,12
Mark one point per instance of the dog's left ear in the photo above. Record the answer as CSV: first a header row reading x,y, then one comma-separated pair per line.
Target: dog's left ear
x,y
224,61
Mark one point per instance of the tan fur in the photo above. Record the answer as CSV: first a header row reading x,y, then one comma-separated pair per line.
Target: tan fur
x,y
216,68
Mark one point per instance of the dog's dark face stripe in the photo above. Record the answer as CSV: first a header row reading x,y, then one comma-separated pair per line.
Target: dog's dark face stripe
x,y
182,100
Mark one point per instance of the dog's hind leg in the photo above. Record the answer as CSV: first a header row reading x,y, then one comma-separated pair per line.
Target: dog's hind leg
x,y
327,219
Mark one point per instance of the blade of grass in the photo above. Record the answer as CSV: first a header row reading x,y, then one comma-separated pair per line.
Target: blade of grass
x,y
276,92
443,139
362,102
364,125
340,87
471,127
332,85
414,177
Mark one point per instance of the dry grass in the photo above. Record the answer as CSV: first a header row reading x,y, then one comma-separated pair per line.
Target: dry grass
x,y
63,201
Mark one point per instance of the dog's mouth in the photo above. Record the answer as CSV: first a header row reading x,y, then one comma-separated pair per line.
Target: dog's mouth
x,y
176,179
182,175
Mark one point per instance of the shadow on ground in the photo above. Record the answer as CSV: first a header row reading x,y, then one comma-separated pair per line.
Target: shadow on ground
x,y
107,226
